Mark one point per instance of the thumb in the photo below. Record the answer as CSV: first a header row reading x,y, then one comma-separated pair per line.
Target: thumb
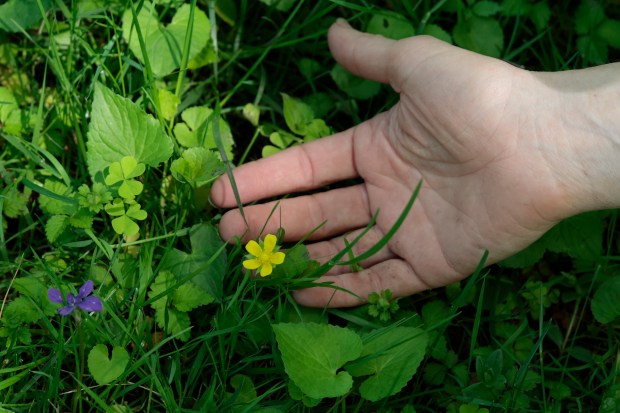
x,y
363,54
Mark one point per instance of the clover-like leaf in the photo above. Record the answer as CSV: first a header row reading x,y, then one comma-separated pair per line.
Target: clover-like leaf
x,y
124,223
124,171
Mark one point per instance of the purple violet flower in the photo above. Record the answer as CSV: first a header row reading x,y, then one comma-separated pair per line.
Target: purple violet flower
x,y
82,300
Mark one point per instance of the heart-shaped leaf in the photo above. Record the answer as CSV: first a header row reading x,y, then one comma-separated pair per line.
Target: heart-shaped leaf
x,y
314,353
164,45
104,369
124,171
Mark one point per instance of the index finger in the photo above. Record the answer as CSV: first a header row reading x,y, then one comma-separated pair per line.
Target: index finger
x,y
299,168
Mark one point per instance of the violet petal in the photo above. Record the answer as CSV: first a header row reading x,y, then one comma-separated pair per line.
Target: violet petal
x,y
54,295
66,310
70,300
86,289
91,304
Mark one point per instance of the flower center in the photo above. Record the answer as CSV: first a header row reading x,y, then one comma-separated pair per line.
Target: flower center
x,y
264,258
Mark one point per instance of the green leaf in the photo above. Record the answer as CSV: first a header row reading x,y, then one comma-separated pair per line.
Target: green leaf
x,y
391,25
205,265
515,7
606,301
18,15
197,166
480,34
187,297
589,15
593,49
104,369
313,354
120,128
168,318
125,225
55,226
609,30
198,130
116,208
296,262
15,202
437,32
20,310
124,171
164,45
297,114
354,86
168,103
10,114
51,205
486,8
540,15
392,358
252,113
580,237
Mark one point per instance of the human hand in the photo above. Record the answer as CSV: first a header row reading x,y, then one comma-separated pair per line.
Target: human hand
x,y
478,132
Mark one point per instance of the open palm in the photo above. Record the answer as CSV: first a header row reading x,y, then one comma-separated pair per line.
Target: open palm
x,y
459,127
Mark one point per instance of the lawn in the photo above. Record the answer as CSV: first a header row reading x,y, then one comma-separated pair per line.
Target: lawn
x,y
117,293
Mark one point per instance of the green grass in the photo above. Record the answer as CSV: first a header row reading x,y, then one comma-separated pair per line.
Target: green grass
x,y
515,337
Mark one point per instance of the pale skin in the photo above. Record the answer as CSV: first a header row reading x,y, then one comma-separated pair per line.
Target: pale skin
x,y
503,154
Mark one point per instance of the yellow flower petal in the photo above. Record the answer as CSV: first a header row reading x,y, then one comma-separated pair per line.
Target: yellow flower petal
x,y
277,258
253,248
251,264
270,243
266,269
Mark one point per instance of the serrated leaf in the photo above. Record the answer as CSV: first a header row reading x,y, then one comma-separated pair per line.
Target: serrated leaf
x,y
352,85
187,297
197,166
392,359
580,236
54,227
164,45
480,34
20,310
435,313
391,25
120,128
606,301
104,369
14,202
168,318
81,219
18,15
314,353
197,130
206,268
51,205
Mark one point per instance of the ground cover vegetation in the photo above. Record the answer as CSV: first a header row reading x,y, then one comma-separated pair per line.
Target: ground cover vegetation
x,y
117,293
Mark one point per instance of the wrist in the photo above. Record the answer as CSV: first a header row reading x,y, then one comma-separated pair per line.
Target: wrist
x,y
581,136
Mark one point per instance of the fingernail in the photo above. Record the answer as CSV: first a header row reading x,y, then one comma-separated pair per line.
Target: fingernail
x,y
342,22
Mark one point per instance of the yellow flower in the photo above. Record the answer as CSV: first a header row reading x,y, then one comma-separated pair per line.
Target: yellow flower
x,y
262,256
